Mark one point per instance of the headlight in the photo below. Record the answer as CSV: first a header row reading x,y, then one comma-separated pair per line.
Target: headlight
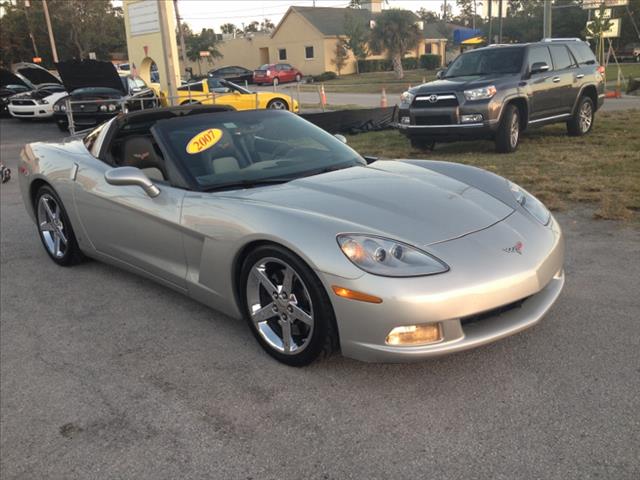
x,y
407,97
480,93
63,108
531,204
56,108
389,258
112,107
103,108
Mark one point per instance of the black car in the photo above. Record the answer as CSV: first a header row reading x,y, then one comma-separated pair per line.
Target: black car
x,y
233,74
498,91
97,92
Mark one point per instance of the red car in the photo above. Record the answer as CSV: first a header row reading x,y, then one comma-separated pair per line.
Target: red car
x,y
276,73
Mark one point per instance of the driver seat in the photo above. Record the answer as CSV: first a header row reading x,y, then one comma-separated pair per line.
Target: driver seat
x,y
138,151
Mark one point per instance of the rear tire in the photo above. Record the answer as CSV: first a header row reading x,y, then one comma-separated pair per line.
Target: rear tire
x,y
265,269
582,122
422,143
508,135
54,228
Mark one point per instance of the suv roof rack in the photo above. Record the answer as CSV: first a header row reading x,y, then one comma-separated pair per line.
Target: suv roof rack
x,y
575,39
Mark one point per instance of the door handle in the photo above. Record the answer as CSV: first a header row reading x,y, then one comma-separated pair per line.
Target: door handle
x,y
580,75
555,79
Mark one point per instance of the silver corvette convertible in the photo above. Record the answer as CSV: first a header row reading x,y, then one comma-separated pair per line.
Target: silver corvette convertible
x,y
264,216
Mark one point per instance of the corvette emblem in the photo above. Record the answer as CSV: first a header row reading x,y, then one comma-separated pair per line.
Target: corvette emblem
x,y
517,248
141,156
433,98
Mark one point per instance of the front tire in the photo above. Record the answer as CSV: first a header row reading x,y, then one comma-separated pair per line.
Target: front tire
x,y
278,104
582,122
286,306
508,136
54,228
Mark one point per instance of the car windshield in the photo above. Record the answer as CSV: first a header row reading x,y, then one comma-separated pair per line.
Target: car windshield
x,y
244,149
264,67
486,62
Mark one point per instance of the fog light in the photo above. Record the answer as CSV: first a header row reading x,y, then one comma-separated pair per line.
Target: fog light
x,y
415,334
405,120
112,107
476,117
103,108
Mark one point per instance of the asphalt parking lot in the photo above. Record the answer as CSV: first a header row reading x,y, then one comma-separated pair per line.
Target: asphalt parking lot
x,y
106,375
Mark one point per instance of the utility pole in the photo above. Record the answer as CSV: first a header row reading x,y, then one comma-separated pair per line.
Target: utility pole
x,y
500,21
51,39
27,5
444,11
546,20
183,50
490,22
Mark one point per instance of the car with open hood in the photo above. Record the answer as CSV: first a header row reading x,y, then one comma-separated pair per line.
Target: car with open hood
x,y
97,92
264,216
45,90
218,91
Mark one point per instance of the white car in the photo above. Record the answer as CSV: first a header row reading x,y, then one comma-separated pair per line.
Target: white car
x,y
38,102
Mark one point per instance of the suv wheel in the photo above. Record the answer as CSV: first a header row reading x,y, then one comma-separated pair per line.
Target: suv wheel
x,y
508,134
422,143
582,122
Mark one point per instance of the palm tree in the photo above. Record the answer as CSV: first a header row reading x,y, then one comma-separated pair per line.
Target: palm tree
x,y
396,33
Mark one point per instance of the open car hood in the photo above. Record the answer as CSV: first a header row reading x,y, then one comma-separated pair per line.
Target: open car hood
x,y
36,74
89,73
8,78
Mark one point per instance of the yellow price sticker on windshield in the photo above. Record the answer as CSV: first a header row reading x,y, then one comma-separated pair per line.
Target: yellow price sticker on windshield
x,y
204,140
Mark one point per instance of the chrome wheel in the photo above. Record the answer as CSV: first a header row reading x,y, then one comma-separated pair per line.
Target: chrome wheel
x,y
51,227
280,306
278,105
514,130
586,117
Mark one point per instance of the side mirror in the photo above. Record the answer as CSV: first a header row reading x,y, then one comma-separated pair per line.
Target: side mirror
x,y
342,138
539,67
131,176
440,74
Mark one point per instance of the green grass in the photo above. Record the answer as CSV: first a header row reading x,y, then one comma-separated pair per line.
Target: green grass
x,y
602,167
374,82
629,70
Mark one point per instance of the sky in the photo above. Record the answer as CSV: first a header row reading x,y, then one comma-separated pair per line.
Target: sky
x,y
213,13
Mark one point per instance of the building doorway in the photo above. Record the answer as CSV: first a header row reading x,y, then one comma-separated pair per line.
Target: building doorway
x,y
264,55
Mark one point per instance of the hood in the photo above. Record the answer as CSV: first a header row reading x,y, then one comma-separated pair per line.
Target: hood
x,y
36,74
96,93
8,78
89,73
458,84
397,200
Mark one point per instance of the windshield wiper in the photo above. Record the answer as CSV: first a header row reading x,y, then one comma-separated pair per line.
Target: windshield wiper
x,y
331,168
247,184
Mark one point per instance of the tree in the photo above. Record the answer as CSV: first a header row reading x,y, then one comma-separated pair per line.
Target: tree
x,y
228,28
340,55
205,41
395,33
357,38
267,25
252,27
427,15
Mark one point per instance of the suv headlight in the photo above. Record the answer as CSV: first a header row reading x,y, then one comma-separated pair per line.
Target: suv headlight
x,y
530,203
389,258
480,93
407,97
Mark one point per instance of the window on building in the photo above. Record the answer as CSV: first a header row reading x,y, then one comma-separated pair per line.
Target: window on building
x,y
282,53
308,53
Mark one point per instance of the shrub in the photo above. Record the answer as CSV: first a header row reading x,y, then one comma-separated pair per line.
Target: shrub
x,y
430,61
323,77
384,65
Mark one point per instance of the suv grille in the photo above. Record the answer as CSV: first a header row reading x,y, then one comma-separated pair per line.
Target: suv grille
x,y
435,100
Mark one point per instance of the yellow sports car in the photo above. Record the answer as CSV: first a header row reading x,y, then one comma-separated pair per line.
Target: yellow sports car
x,y
222,92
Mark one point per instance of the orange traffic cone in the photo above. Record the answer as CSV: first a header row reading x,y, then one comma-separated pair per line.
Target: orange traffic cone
x,y
323,96
383,99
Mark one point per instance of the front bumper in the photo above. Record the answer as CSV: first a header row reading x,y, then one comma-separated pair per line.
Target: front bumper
x,y
31,111
447,121
487,295
88,119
